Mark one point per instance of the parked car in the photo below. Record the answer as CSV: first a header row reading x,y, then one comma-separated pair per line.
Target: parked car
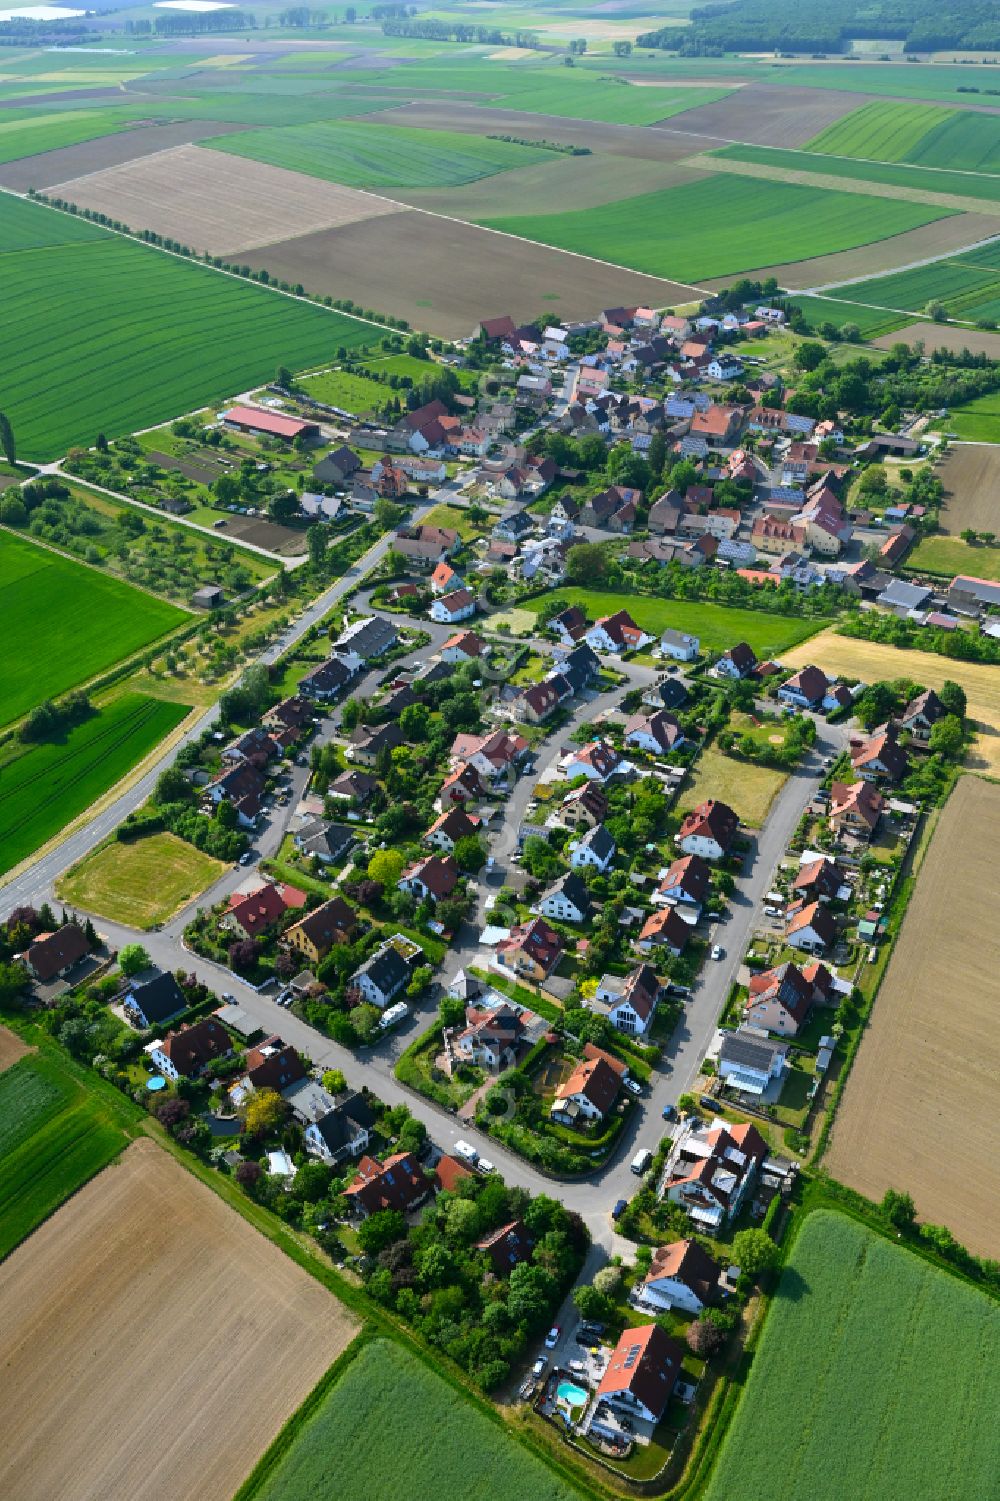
x,y
707,1103
538,1369
467,1150
718,952
633,1086
588,1339
772,911
620,1207
681,991
552,1338
485,1165
669,1113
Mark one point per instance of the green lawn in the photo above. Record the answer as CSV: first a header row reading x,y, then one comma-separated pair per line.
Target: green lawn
x,y
343,388
950,555
112,336
978,421
877,1377
63,623
920,179
390,1425
142,882
708,228
717,626
43,787
748,788
57,1132
381,156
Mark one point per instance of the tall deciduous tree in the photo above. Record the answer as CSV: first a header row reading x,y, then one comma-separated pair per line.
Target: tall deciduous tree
x,y
7,442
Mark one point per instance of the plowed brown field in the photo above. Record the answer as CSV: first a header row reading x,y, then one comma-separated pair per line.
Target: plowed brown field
x,y
11,1048
152,1342
919,1110
971,478
938,336
224,204
769,114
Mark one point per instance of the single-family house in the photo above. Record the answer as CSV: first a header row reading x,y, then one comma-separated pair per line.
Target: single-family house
x,y
616,634
367,742
444,579
313,936
597,761
492,755
187,1053
657,734
324,841
460,604
566,900
464,646
639,1378
424,546
629,1002
819,880
588,1094
449,1173
506,1247
879,757
50,956
368,637
708,830
243,787
569,625
806,689
686,885
922,714
537,701
680,1275
584,808
855,808
152,999
451,826
431,879
397,1183
383,975
342,1133
666,929
780,999
492,1035
666,693
750,1061
354,787
594,850
810,928
255,911
531,950
679,646
710,1170
740,661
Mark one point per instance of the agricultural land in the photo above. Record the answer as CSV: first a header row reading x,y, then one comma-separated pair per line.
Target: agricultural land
x,y
921,1068
856,1321
240,1336
387,1404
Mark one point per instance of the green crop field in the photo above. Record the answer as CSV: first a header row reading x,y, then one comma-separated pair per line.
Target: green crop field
x,y
938,84
977,421
65,623
390,1424
882,130
64,1132
31,133
717,626
382,156
919,179
703,229
985,256
876,1377
871,321
44,786
950,282
112,335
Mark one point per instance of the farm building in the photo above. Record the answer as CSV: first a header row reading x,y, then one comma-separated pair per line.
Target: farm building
x,y
269,424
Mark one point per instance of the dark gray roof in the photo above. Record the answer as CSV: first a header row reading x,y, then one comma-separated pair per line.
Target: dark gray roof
x,y
574,889
669,693
322,838
600,841
159,997
749,1051
336,1127
387,970
372,637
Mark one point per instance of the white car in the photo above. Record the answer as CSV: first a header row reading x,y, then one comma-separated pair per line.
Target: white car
x,y
538,1369
552,1338
633,1086
718,952
485,1165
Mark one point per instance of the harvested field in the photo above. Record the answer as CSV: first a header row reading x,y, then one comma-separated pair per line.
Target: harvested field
x,y
829,272
939,336
148,1298
870,660
556,186
11,1048
769,115
219,203
109,151
443,276
971,478
616,140
931,1054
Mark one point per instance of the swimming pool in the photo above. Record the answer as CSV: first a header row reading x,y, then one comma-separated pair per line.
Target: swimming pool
x,y
572,1395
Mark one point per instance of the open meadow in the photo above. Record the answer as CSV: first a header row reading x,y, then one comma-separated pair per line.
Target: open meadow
x,y
977,422
140,882
877,1376
870,660
716,626
930,1057
113,335
390,1422
64,623
44,786
748,788
154,1343
56,1131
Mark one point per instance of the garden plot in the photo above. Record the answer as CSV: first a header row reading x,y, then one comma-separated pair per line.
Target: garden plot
x,y
215,202
153,1342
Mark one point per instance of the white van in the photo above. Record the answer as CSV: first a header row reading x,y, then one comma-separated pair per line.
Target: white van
x,y
467,1150
393,1015
641,1161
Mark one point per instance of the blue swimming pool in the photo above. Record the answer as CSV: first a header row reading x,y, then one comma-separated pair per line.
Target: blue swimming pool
x,y
155,1083
573,1395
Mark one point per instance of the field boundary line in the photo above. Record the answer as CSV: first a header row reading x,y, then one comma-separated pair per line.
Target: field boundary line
x,y
806,177
931,260
871,161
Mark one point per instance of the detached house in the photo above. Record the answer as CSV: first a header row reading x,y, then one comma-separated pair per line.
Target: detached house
x,y
922,714
708,830
53,955
681,1275
566,900
444,579
597,761
506,1247
819,880
538,700
367,743
750,1061
187,1053
382,976
657,734
780,999
640,1377
492,1036
806,689
740,661
454,824
464,646
460,604
710,1171
629,1003
152,999
679,645
432,879
531,950
879,757
810,928
398,1183
589,1093
584,808
664,929
342,1133
314,935
686,885
855,809
594,851
616,634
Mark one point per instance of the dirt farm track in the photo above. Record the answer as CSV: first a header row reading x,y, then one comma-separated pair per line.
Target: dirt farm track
x,y
919,1110
152,1343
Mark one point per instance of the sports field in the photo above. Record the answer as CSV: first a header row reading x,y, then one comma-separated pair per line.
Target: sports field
x,y
113,336
44,787
64,623
700,230
148,1298
876,1377
390,1424
383,156
140,882
931,1054
716,626
54,1135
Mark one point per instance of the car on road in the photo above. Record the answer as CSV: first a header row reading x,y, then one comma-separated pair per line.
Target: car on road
x,y
485,1165
246,857
669,1113
588,1339
633,1086
552,1338
538,1369
230,998
620,1207
718,952
466,1150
